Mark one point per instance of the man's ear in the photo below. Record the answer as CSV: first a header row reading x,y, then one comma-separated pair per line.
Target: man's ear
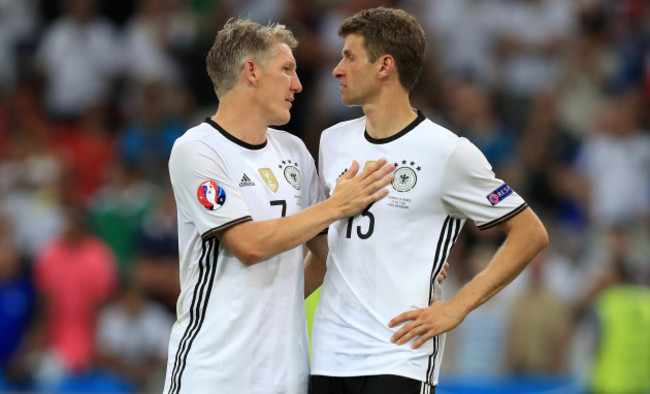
x,y
385,65
251,72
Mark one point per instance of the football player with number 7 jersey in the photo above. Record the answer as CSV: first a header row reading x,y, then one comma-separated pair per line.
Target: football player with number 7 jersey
x,y
247,198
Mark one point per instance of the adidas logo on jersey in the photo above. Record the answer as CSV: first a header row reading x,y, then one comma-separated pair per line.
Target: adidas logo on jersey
x,y
246,181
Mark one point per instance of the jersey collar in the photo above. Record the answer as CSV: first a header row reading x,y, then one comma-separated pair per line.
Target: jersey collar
x,y
232,138
393,137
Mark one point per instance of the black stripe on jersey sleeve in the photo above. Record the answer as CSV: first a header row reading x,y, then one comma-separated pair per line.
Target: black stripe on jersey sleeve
x,y
230,224
504,218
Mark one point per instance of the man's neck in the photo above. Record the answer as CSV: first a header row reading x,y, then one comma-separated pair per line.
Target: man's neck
x,y
241,122
388,116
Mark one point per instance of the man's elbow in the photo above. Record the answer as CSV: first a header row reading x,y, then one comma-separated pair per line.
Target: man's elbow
x,y
249,256
541,237
529,230
245,250
243,243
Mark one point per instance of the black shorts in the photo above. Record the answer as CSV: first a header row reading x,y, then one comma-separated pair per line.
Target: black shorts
x,y
374,384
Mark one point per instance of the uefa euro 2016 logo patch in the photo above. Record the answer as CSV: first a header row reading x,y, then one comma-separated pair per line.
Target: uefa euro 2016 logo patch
x,y
211,195
499,194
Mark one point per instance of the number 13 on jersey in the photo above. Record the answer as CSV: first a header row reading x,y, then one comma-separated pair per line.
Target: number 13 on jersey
x,y
366,231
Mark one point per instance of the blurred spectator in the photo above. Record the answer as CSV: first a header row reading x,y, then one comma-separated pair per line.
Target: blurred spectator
x,y
613,178
118,209
616,158
147,139
544,149
159,232
589,69
621,305
18,26
154,36
539,329
472,113
75,274
532,40
621,363
31,174
261,12
464,37
562,265
630,34
17,303
88,150
79,58
141,355
156,260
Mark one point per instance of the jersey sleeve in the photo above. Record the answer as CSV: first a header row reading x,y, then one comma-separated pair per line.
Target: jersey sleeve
x,y
471,190
203,190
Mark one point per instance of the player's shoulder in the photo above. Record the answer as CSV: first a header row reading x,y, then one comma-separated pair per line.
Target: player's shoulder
x,y
436,138
281,135
437,131
285,139
195,133
345,127
447,144
192,140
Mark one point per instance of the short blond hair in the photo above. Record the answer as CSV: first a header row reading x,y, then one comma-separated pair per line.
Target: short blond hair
x,y
241,40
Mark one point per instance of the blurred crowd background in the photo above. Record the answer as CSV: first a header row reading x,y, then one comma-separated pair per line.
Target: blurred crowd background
x,y
93,93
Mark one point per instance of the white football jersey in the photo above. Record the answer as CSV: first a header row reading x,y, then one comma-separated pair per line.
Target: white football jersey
x,y
239,328
385,261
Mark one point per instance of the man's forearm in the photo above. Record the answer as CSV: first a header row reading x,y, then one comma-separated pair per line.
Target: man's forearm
x,y
253,242
526,237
